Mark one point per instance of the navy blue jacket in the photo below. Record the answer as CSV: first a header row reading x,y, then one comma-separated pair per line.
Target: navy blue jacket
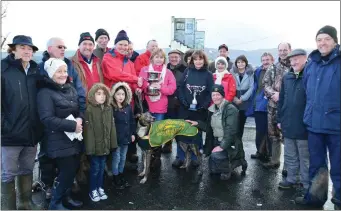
x,y
20,125
77,83
291,104
260,99
55,103
196,80
134,56
322,85
125,125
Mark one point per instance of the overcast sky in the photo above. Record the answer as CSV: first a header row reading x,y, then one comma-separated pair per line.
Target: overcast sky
x,y
240,25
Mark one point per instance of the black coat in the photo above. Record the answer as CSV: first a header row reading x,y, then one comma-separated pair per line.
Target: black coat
x,y
291,105
178,72
55,103
20,124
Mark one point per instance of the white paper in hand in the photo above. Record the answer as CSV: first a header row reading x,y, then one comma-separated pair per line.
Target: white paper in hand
x,y
73,135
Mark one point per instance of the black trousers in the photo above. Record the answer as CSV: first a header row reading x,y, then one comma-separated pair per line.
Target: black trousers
x,y
48,169
67,168
242,120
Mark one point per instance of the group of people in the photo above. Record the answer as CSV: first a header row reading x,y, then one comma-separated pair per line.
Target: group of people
x,y
87,106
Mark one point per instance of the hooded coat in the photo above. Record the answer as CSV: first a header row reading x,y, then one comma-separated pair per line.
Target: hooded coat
x,y
226,79
99,128
124,117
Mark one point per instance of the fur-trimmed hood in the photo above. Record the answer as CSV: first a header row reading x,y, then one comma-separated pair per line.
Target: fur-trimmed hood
x,y
129,96
221,58
94,89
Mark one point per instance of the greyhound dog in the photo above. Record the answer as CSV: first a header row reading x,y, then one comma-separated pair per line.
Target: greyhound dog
x,y
143,127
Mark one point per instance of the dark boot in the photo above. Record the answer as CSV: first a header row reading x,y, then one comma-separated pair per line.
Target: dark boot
x,y
124,182
244,167
8,197
167,148
24,188
284,173
117,183
255,156
271,165
177,163
56,199
70,201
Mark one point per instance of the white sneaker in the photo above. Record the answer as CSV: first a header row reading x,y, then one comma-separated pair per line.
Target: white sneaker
x,y
94,196
102,194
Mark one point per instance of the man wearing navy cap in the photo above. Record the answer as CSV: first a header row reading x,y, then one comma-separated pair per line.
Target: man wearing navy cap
x,y
20,125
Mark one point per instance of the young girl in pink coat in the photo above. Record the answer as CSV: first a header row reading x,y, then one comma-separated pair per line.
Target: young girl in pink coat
x,y
167,84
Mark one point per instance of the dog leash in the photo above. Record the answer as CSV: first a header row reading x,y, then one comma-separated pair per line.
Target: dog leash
x,y
139,98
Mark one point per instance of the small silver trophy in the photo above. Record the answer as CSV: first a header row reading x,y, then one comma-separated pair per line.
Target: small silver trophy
x,y
193,106
153,76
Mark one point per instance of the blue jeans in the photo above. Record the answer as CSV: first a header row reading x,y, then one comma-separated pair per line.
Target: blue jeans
x,y
97,166
158,117
119,159
296,156
318,144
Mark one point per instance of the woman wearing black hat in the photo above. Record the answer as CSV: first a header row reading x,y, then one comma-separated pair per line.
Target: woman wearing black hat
x,y
222,141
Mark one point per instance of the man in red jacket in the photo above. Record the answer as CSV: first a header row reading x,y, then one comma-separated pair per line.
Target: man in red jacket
x,y
143,59
116,65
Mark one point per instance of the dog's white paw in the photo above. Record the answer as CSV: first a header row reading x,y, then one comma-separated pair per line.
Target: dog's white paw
x,y
143,180
142,174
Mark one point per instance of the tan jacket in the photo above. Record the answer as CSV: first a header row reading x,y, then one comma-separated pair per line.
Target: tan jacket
x,y
272,80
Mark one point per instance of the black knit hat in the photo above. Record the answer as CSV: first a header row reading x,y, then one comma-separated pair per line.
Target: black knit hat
x,y
122,35
85,36
218,88
100,32
223,46
331,31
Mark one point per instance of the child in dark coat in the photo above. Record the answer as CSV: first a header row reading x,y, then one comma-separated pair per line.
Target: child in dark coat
x,y
125,126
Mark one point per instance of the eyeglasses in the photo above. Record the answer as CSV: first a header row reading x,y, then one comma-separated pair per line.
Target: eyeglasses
x,y
61,47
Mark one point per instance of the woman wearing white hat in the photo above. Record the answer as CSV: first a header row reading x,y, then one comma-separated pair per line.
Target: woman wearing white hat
x,y
57,100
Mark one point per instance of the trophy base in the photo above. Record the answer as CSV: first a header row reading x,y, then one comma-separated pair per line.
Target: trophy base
x,y
153,94
192,108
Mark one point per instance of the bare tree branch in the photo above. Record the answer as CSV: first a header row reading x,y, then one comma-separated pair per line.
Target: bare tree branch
x,y
4,7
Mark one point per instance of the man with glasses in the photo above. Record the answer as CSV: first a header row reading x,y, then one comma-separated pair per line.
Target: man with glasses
x,y
56,49
272,86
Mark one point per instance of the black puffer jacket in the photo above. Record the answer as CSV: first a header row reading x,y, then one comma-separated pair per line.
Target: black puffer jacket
x,y
20,124
55,103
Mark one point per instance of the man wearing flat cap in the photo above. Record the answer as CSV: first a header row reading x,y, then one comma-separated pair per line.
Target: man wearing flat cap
x,y
224,52
322,118
102,39
291,105
20,125
177,67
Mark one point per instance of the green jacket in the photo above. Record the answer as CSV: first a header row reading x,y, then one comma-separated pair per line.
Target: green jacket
x,y
99,128
230,142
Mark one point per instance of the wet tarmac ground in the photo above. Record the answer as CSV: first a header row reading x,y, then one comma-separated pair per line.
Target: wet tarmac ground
x,y
175,189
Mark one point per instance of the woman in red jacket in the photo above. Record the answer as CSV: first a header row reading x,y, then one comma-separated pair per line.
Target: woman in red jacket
x,y
225,78
116,66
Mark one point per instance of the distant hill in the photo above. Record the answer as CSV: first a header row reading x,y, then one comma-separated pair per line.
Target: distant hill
x,y
212,53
